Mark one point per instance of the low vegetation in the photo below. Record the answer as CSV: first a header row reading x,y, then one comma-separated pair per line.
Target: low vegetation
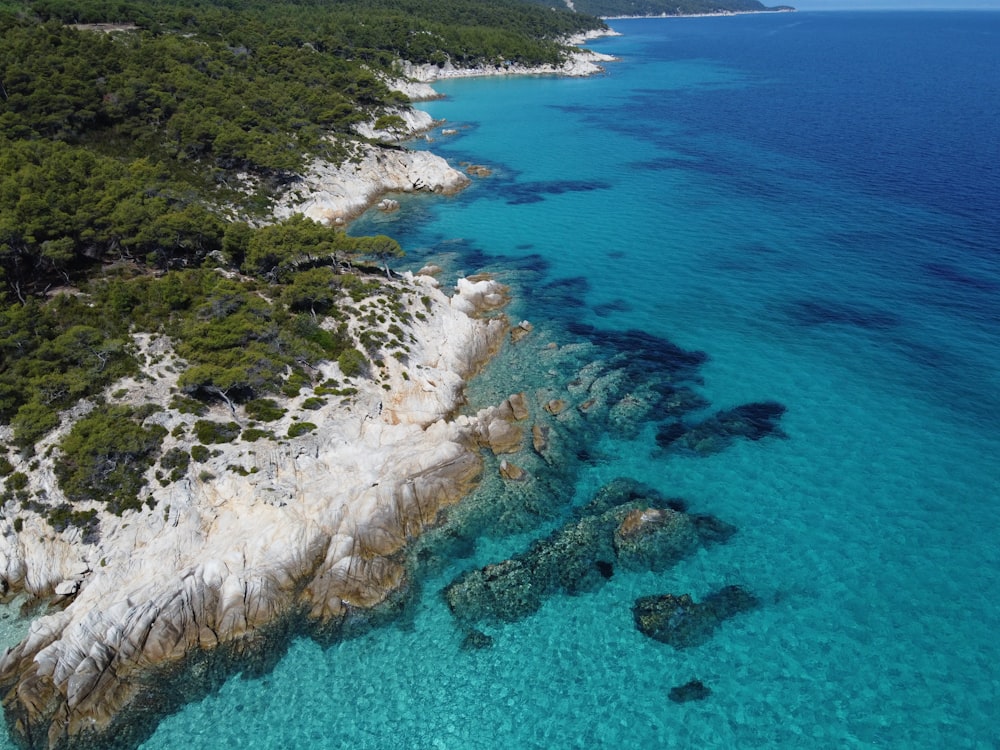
x,y
136,169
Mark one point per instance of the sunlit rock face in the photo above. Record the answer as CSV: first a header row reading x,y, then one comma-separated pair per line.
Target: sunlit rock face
x,y
308,530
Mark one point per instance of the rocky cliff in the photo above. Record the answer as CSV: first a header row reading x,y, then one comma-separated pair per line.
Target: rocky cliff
x,y
308,529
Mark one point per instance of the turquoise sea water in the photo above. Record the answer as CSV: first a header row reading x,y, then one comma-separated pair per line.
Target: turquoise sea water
x,y
811,200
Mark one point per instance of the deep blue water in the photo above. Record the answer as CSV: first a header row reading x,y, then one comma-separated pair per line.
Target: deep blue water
x,y
811,199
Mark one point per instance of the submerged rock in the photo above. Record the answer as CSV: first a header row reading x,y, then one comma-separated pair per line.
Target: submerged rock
x,y
681,622
752,421
654,538
627,524
695,690
476,640
512,472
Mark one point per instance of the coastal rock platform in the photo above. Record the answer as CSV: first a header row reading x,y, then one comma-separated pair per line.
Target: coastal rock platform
x,y
271,537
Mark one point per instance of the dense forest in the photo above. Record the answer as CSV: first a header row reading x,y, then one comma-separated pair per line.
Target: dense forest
x,y
130,141
137,166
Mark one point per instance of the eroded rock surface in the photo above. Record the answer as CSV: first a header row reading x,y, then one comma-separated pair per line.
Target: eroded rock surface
x,y
308,530
333,194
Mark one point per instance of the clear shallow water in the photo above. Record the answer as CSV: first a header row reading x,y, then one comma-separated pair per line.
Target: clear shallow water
x,y
811,200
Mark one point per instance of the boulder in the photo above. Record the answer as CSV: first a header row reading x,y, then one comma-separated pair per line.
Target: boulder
x,y
681,622
654,538
521,330
555,406
512,472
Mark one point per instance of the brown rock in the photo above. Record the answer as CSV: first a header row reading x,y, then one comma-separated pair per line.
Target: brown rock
x,y
555,406
512,472
540,438
521,330
654,538
518,406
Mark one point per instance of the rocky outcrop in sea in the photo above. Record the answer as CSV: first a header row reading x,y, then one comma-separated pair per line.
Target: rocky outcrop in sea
x,y
641,532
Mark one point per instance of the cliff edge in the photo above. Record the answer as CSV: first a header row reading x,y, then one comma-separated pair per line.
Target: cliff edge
x,y
308,528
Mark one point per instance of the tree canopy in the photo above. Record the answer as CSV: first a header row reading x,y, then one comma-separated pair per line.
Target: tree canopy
x,y
139,143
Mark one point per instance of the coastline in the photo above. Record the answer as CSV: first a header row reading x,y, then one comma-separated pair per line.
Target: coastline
x,y
336,194
309,530
721,13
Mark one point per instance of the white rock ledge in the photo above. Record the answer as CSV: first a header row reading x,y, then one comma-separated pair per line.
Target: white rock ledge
x,y
312,527
336,194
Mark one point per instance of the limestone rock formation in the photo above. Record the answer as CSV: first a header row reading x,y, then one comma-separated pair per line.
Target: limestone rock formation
x,y
334,194
311,528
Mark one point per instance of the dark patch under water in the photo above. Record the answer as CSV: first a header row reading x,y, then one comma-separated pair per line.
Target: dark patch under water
x,y
567,292
609,308
645,352
814,312
695,690
683,623
533,192
753,421
957,277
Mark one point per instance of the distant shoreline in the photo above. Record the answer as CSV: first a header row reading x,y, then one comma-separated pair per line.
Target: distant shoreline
x,y
703,15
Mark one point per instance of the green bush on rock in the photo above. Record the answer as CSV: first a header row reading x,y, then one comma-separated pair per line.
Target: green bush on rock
x,y
209,432
300,428
352,363
105,457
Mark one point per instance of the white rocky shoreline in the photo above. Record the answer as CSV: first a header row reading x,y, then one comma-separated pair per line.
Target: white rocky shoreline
x,y
312,524
335,194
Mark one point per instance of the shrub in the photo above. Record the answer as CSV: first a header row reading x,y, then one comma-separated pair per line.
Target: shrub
x,y
186,405
264,409
176,461
300,428
210,432
253,433
17,481
105,457
313,403
62,517
293,384
199,453
352,363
